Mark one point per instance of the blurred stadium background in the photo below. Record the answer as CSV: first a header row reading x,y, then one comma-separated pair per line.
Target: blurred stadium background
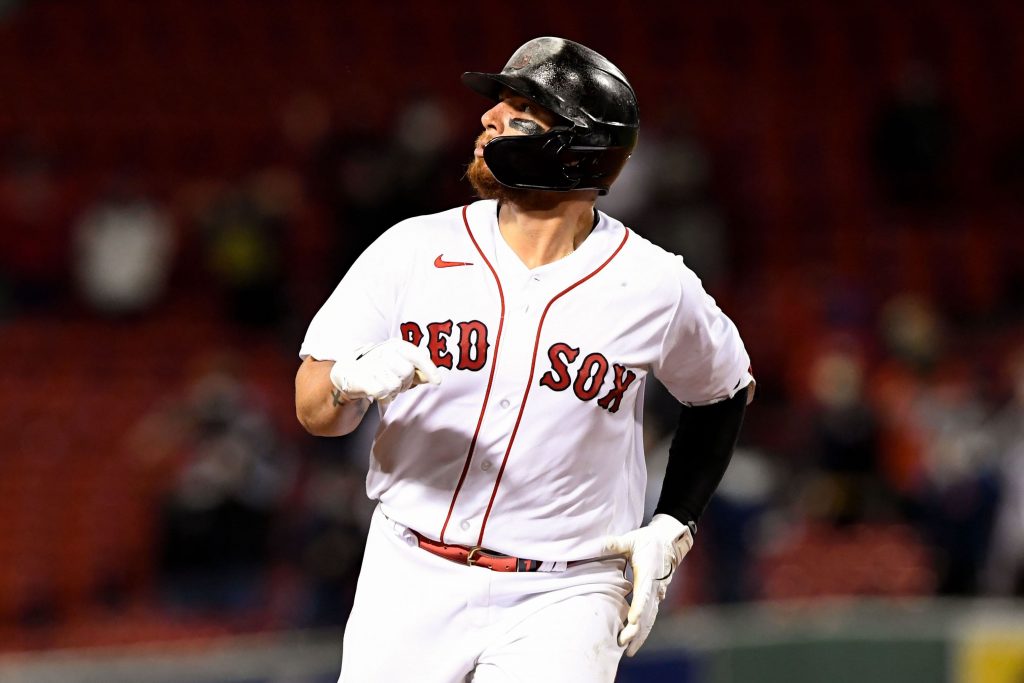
x,y
182,182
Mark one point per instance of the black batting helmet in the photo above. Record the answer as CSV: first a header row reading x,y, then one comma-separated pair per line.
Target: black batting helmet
x,y
596,105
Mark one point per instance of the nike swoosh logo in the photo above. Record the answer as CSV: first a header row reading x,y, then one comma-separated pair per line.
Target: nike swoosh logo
x,y
441,263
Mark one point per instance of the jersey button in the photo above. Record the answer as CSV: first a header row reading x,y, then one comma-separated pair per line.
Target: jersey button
x,y
464,525
504,403
485,465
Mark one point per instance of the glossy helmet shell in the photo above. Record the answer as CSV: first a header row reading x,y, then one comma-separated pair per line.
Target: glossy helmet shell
x,y
597,132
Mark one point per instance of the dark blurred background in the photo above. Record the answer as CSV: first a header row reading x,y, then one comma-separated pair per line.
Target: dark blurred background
x,y
182,183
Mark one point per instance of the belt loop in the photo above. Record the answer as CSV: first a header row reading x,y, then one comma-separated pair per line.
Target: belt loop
x,y
400,530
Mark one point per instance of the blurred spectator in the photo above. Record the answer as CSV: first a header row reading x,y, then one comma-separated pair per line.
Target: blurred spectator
x,y
846,485
33,253
229,475
124,247
243,236
675,208
913,140
955,501
368,181
1004,570
332,529
633,186
351,176
733,524
328,529
424,157
912,332
305,121
911,339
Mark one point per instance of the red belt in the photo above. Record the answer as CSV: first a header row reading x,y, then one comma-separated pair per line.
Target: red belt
x,y
477,556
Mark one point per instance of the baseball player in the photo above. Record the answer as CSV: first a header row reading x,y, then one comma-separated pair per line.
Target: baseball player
x,y
507,344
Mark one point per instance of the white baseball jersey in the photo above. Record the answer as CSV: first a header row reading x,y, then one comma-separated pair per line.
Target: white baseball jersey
x,y
532,444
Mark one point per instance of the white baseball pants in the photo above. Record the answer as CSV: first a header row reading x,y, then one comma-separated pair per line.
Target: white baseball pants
x,y
419,617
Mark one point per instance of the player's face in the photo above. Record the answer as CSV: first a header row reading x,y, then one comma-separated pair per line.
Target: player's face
x,y
512,115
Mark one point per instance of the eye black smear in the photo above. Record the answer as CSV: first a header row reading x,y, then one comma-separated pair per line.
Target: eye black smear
x,y
526,126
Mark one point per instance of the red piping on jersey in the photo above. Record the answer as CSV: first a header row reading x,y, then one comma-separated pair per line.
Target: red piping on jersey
x,y
529,381
490,378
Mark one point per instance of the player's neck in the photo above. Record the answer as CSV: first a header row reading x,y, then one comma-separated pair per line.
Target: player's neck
x,y
542,236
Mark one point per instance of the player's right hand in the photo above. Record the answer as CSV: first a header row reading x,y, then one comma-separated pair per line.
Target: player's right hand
x,y
383,371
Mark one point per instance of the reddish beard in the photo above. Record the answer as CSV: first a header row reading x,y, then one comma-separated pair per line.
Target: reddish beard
x,y
486,186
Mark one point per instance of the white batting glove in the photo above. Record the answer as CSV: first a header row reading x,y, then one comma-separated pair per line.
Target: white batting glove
x,y
654,551
383,371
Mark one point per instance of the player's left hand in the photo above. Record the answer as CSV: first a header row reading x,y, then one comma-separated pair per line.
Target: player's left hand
x,y
654,551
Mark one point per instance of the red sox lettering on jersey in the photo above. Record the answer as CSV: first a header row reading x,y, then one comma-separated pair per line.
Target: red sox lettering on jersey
x,y
533,360
589,377
471,354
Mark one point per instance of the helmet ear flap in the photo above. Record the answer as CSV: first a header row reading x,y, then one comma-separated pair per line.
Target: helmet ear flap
x,y
531,162
595,165
553,161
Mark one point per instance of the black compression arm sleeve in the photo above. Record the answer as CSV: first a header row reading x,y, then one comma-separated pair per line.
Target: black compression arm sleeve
x,y
699,455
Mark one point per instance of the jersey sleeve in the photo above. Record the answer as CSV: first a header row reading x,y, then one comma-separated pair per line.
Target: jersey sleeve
x,y
702,357
360,309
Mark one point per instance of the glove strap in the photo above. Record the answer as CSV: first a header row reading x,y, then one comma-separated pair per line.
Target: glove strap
x,y
691,527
